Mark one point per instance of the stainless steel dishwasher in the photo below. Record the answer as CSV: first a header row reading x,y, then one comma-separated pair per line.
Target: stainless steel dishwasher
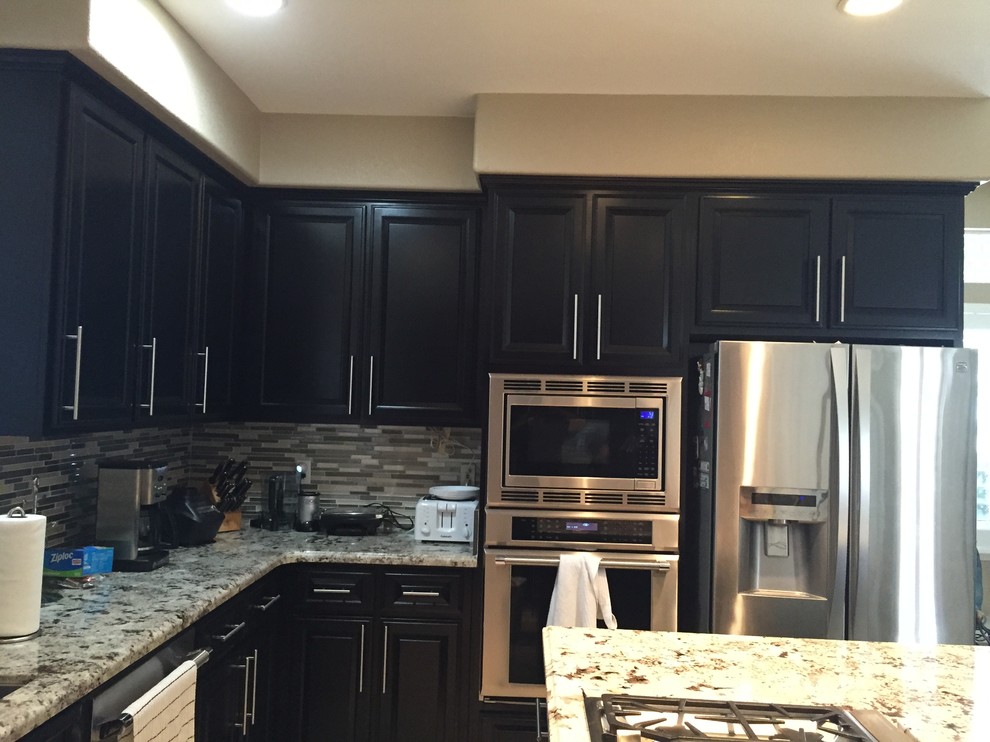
x,y
109,722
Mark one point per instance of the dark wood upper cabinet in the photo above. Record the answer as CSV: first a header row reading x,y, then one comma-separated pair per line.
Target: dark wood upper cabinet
x,y
635,288
864,266
97,280
166,338
217,302
897,263
421,320
306,267
371,323
539,264
586,281
763,261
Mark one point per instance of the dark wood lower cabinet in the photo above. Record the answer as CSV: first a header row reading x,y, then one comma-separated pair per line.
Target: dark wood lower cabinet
x,y
330,688
419,682
376,655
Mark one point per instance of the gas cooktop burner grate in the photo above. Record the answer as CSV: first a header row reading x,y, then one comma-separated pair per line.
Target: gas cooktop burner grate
x,y
683,720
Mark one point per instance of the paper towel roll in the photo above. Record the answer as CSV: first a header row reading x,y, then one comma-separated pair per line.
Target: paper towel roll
x,y
22,553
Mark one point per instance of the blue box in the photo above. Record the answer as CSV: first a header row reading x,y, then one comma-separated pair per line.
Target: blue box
x,y
89,560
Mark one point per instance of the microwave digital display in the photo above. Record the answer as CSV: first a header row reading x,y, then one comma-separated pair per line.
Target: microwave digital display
x,y
583,442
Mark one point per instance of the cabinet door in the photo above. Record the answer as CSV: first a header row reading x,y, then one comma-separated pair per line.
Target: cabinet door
x,y
762,261
897,263
223,698
419,683
98,275
421,320
306,283
635,255
332,683
540,258
167,351
218,262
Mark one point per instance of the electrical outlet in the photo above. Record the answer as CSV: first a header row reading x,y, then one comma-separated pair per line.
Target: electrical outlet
x,y
469,474
304,468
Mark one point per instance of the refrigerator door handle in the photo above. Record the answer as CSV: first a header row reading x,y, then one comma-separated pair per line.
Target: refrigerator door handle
x,y
840,486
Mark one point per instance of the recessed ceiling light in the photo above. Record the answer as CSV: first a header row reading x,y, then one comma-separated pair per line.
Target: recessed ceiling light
x,y
257,7
868,7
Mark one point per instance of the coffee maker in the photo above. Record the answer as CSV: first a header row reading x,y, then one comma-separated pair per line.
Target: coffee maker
x,y
129,509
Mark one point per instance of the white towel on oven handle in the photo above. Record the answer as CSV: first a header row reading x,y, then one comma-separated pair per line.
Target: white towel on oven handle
x,y
168,710
580,593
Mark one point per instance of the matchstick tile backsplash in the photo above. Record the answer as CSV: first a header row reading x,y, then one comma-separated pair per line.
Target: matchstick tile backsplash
x,y
350,465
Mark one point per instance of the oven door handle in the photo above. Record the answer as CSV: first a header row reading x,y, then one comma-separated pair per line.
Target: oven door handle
x,y
605,563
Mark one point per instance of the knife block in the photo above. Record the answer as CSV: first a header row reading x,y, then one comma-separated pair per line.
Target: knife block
x,y
231,522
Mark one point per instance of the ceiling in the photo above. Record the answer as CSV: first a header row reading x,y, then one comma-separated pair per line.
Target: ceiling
x,y
430,57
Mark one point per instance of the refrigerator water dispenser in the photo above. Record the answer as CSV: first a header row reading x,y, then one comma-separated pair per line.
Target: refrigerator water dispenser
x,y
782,542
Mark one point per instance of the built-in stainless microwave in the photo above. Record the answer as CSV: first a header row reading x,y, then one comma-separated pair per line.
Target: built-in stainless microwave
x,y
566,441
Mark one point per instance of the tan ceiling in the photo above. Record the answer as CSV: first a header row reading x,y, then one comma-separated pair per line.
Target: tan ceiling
x,y
430,57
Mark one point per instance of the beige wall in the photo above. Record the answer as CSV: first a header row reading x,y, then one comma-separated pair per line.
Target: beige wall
x,y
138,46
698,136
44,24
414,153
978,208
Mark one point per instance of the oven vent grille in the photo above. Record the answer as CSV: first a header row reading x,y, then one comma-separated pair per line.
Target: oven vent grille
x,y
616,387
600,498
639,387
520,497
523,385
659,499
554,385
562,497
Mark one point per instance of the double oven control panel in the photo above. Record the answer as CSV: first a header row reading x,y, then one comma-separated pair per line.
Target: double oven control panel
x,y
581,529
588,530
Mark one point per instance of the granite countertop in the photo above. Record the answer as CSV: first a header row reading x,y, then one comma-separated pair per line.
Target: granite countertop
x,y
936,692
88,636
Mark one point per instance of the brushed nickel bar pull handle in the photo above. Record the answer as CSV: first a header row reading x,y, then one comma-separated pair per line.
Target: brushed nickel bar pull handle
x,y
254,688
371,380
652,566
842,295
224,638
385,661
818,288
246,667
272,600
606,563
574,340
361,663
598,353
150,406
78,337
350,388
205,355
332,590
420,593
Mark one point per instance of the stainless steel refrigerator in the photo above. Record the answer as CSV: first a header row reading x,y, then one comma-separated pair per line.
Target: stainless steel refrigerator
x,y
841,486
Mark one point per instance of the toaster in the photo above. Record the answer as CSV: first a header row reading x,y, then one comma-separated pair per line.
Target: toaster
x,y
445,520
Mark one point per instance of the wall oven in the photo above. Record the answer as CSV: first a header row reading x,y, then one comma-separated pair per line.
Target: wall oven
x,y
641,565
576,463
561,441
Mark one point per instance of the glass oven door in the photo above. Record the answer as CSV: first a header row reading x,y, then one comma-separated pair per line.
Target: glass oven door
x,y
518,586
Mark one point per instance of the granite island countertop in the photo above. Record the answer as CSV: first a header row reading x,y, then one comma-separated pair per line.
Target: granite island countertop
x,y
936,692
88,636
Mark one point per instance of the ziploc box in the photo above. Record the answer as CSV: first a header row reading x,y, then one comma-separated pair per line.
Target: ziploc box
x,y
89,560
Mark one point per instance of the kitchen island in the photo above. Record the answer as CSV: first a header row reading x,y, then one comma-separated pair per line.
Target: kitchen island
x,y
938,693
88,636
